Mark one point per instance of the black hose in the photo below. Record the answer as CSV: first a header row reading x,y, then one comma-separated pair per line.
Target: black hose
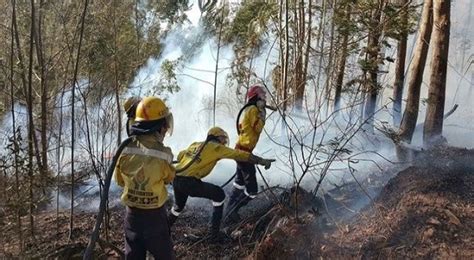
x,y
196,156
228,181
238,133
127,126
103,200
238,116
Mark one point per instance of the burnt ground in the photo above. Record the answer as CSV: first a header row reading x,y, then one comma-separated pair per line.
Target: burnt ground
x,y
424,211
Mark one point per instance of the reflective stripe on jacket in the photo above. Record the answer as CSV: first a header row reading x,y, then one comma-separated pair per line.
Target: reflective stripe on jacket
x,y
207,159
143,170
250,127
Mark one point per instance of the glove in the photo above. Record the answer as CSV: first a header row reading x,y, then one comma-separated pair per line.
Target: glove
x,y
263,114
267,163
130,106
261,108
259,160
131,112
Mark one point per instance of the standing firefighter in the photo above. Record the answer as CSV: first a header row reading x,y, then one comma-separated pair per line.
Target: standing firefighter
x,y
143,170
251,121
195,163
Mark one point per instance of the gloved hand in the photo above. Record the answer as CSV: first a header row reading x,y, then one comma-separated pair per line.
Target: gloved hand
x,y
261,108
132,111
261,161
267,163
130,106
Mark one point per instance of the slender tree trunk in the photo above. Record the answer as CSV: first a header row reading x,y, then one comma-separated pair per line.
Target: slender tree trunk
x,y
329,67
320,43
285,61
44,92
417,67
433,127
30,121
299,81
74,82
400,68
217,67
342,61
20,54
18,203
116,79
25,86
308,40
373,49
137,29
278,70
58,153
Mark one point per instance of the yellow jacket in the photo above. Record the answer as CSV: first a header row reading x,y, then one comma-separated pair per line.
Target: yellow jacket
x,y
143,170
250,127
207,159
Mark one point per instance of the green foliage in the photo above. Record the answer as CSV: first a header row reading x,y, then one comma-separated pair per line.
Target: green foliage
x,y
246,28
168,80
396,25
171,11
115,47
250,22
14,200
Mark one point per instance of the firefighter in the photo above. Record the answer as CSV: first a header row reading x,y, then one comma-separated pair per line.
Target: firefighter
x,y
143,170
250,123
195,163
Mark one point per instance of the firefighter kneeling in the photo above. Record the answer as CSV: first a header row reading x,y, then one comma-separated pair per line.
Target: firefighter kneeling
x,y
197,162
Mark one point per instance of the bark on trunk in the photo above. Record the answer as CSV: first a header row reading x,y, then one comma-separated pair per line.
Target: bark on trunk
x,y
410,116
373,49
433,127
400,69
342,62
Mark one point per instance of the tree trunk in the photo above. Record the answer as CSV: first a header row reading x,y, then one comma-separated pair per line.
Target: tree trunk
x,y
18,203
217,68
285,60
433,127
400,68
341,66
44,94
373,49
299,81
410,116
320,44
308,40
116,79
329,66
30,121
74,82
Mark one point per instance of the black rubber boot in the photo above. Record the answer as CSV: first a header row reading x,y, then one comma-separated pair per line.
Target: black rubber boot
x,y
233,216
216,218
235,195
171,219
234,198
215,235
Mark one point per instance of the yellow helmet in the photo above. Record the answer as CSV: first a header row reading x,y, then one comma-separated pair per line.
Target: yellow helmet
x,y
152,109
219,133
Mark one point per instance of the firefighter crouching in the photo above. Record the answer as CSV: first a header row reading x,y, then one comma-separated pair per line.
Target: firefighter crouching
x,y
198,160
